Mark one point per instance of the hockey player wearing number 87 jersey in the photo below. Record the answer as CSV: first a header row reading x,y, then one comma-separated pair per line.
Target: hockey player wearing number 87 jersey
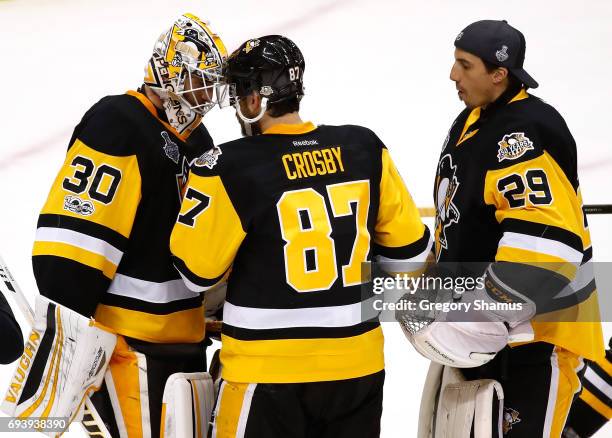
x,y
509,208
101,245
294,210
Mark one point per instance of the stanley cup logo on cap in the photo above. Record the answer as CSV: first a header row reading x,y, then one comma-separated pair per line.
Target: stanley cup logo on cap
x,y
502,54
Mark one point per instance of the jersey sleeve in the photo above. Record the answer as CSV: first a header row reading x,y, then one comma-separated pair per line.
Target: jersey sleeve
x,y
84,226
207,234
401,240
541,218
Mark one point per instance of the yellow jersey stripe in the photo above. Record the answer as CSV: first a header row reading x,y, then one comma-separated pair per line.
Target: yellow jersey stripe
x,y
539,259
601,408
183,326
302,360
76,254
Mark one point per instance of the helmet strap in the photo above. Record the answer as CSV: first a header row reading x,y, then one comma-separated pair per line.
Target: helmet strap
x,y
249,121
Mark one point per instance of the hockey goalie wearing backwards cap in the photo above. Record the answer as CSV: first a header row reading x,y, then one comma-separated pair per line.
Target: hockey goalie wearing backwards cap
x,y
102,243
509,208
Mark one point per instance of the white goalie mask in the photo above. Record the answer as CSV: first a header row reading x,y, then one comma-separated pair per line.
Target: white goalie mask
x,y
186,72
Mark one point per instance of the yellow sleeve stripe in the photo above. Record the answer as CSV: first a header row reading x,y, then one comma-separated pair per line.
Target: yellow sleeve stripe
x,y
596,404
605,365
539,259
76,254
398,223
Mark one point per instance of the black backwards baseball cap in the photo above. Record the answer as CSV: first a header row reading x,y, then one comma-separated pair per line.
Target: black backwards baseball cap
x,y
499,44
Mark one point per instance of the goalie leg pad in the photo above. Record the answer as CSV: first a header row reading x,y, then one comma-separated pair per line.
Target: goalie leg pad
x,y
451,406
468,404
187,405
64,361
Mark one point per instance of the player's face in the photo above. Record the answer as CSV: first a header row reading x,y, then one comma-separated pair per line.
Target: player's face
x,y
200,95
475,85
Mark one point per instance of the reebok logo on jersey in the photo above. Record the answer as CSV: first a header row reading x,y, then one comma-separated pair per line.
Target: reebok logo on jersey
x,y
208,158
513,146
78,205
305,143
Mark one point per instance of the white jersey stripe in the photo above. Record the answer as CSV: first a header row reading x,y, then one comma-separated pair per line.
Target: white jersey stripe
x,y
143,384
192,286
540,245
150,291
552,394
244,411
332,316
80,240
114,399
598,382
405,265
584,275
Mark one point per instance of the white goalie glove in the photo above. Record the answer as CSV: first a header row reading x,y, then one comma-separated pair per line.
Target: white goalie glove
x,y
64,361
449,332
468,330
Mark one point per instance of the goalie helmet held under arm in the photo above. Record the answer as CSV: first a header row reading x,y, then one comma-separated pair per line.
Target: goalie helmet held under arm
x,y
271,65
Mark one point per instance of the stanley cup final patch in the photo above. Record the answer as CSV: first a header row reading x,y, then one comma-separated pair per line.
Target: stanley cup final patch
x,y
208,158
513,146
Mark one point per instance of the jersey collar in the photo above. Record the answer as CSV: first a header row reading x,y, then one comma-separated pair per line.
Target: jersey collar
x,y
151,108
293,128
470,128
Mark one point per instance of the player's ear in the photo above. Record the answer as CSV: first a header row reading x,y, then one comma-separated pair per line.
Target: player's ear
x,y
253,102
500,74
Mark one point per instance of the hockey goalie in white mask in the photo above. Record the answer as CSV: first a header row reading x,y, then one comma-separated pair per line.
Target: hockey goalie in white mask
x,y
102,251
187,78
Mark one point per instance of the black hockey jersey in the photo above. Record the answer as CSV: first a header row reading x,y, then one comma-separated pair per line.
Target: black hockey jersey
x,y
507,190
102,239
295,213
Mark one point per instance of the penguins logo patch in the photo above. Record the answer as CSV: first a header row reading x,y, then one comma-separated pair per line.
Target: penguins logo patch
x,y
447,212
250,45
513,146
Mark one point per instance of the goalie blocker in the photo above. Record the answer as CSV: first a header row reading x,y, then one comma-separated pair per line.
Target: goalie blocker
x,y
64,361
